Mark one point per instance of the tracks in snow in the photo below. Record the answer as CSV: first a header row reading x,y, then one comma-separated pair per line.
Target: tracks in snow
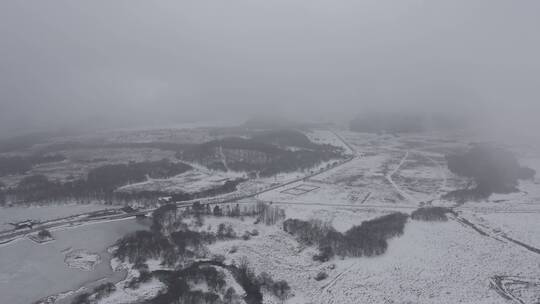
x,y
515,288
391,181
496,235
223,158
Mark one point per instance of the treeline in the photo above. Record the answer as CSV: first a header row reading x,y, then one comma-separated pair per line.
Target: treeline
x,y
265,213
254,284
22,164
171,241
211,273
179,286
110,177
25,141
168,218
170,237
432,214
367,239
493,170
227,187
141,246
287,138
180,247
252,155
99,292
99,184
72,145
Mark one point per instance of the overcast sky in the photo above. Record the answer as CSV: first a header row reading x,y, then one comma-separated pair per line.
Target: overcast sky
x,y
102,61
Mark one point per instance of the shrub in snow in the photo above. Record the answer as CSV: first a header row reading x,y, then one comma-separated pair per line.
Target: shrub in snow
x,y
436,214
321,276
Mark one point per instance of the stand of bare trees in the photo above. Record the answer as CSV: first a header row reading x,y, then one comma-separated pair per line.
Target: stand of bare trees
x,y
368,239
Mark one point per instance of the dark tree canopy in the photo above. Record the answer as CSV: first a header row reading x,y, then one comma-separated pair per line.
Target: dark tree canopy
x,y
266,152
100,182
432,214
367,239
495,170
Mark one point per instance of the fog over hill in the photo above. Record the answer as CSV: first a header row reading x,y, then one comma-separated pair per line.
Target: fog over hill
x,y
125,63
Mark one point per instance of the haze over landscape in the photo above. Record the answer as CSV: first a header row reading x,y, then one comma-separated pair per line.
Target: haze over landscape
x,y
136,62
269,152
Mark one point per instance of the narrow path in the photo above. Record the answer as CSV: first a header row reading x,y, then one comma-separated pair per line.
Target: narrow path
x,y
391,181
223,158
441,171
366,198
496,235
329,285
347,144
501,283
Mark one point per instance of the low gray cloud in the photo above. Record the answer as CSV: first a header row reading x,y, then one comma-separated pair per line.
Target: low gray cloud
x,y
139,62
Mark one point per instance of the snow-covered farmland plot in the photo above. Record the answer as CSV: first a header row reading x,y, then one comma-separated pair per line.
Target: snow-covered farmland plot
x,y
300,189
422,177
430,263
352,172
321,194
524,227
364,180
188,182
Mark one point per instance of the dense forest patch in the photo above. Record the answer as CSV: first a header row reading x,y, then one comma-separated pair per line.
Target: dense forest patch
x,y
492,169
100,182
22,164
196,278
266,153
367,239
431,214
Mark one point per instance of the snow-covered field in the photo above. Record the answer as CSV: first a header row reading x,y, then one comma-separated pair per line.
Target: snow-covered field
x,y
79,161
327,137
123,294
430,263
524,227
449,262
188,182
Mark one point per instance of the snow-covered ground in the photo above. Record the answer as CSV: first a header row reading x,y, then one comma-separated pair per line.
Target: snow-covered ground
x,y
430,263
524,227
327,137
79,161
449,262
125,295
188,182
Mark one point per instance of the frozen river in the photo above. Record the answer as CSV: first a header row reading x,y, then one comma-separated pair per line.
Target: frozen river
x,y
30,271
